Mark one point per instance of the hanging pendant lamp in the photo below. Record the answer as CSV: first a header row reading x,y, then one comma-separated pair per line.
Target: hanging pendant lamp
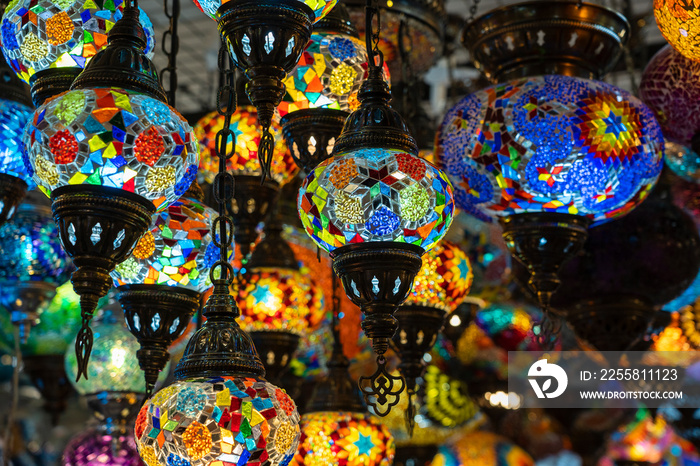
x,y
376,207
548,155
109,153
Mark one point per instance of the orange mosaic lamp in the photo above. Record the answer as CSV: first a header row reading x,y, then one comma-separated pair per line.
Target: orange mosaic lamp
x,y
679,22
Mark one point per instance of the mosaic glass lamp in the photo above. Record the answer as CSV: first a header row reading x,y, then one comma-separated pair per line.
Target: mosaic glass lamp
x,y
669,87
322,89
109,153
442,283
548,155
160,286
34,264
252,201
679,23
279,304
48,43
15,111
376,207
683,161
44,350
92,447
488,449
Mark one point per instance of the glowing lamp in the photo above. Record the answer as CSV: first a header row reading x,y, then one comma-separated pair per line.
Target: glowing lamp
x,y
110,153
14,181
488,449
160,285
252,200
34,264
679,24
48,44
92,447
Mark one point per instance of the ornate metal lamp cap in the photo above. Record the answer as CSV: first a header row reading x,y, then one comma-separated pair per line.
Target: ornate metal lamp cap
x,y
220,346
337,20
273,251
375,124
115,410
546,37
123,63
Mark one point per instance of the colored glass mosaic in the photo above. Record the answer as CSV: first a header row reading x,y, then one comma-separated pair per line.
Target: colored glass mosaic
x,y
488,449
31,249
550,144
447,401
279,300
244,124
175,251
113,363
40,34
94,448
120,144
218,421
679,22
374,181
683,161
319,7
669,86
57,325
328,75
444,279
343,439
13,119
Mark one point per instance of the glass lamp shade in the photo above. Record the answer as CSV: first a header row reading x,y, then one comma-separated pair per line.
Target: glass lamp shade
x,y
176,251
683,161
446,400
329,74
509,326
112,138
669,86
444,279
95,448
488,449
244,124
550,144
13,119
343,439
57,326
218,420
113,363
319,7
43,34
31,248
679,23
376,195
282,300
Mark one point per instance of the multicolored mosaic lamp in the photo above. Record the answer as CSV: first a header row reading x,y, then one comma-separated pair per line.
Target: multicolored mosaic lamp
x,y
278,303
679,23
376,207
92,446
442,283
322,89
252,200
48,43
682,161
669,87
15,110
160,286
34,264
265,40
548,155
488,449
110,153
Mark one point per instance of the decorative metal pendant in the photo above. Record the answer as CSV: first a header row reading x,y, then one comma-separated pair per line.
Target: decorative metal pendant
x,y
156,315
48,374
311,134
276,349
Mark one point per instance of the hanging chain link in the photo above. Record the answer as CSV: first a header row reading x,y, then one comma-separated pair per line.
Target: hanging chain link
x,y
472,10
372,34
223,182
170,47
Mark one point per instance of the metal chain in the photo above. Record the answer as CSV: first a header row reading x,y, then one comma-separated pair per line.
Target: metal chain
x,y
372,35
223,182
170,37
472,10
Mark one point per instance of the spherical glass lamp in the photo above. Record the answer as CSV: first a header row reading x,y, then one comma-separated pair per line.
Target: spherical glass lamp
x,y
669,87
48,43
682,161
252,200
34,264
14,181
94,447
109,153
679,24
343,438
161,284
488,449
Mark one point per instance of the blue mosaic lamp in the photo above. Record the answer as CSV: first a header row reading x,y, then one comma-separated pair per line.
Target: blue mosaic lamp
x,y
549,155
109,153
